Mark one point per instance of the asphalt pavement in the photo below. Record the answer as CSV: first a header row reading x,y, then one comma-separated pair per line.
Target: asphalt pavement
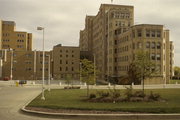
x,y
13,98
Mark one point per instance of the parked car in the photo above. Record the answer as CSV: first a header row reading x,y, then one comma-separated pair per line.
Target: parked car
x,y
6,78
21,82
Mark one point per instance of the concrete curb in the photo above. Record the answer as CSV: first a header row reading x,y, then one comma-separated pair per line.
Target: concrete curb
x,y
104,116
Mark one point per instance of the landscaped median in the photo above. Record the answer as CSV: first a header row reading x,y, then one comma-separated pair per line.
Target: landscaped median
x,y
69,101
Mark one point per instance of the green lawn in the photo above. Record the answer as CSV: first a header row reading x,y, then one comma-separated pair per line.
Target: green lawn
x,y
72,99
174,81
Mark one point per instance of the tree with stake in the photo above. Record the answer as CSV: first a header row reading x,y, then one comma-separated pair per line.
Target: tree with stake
x,y
142,67
87,73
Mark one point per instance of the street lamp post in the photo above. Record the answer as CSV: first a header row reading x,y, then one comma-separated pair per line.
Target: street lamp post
x,y
11,76
43,98
80,79
34,64
108,34
49,75
94,69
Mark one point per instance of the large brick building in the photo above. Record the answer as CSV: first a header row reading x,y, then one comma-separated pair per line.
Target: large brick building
x,y
113,39
16,40
66,61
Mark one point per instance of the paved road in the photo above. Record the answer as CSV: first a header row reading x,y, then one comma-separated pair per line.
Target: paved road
x,y
13,98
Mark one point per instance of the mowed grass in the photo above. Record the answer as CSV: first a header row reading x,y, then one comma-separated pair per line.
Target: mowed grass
x,y
73,99
174,81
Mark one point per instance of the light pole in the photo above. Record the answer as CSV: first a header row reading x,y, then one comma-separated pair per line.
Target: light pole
x,y
94,69
11,76
43,98
108,34
34,64
49,77
4,54
80,73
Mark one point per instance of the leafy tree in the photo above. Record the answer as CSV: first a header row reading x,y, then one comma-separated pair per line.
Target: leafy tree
x,y
133,75
141,68
177,72
87,73
68,79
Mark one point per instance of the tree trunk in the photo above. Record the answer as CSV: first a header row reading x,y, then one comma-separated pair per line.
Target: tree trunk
x,y
143,84
87,90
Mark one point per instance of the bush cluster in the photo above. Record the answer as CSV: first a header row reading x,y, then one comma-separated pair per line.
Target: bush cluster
x,y
129,96
72,87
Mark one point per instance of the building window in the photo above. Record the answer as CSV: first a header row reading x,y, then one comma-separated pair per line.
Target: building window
x,y
60,55
153,45
60,69
153,56
60,61
28,69
72,69
19,46
139,32
115,42
115,59
66,62
72,55
147,33
158,45
115,68
153,69
62,76
66,68
152,33
66,55
139,45
66,51
147,44
28,55
158,67
158,33
158,57
60,51
115,50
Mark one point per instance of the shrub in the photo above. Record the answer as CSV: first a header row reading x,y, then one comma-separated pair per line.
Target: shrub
x,y
136,99
154,97
115,93
129,93
92,95
73,87
103,94
120,99
139,94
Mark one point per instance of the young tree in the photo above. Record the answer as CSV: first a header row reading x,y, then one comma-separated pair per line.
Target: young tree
x,y
68,79
87,73
142,67
177,72
133,75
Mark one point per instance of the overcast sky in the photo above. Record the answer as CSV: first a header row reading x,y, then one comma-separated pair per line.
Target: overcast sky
x,y
63,19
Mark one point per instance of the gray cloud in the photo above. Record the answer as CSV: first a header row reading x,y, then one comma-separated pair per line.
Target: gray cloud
x,y
63,19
